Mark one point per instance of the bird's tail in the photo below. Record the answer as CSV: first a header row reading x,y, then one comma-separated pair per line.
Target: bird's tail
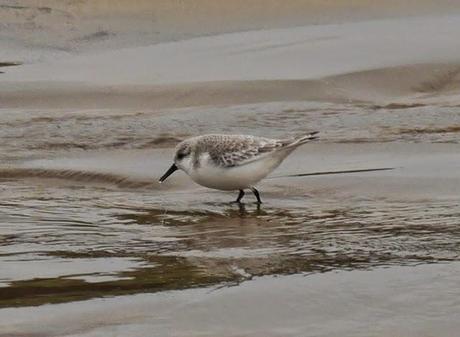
x,y
305,139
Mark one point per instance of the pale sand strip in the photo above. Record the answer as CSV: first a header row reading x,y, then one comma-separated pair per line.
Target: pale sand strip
x,y
299,53
372,86
101,24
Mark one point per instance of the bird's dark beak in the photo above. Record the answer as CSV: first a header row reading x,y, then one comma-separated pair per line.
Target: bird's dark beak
x,y
168,173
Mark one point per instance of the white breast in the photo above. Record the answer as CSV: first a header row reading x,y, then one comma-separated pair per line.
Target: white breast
x,y
234,178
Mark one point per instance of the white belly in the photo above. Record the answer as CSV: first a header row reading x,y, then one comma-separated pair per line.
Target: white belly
x,y
234,178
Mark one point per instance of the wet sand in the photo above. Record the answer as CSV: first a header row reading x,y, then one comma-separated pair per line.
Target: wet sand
x,y
403,301
358,61
60,28
92,245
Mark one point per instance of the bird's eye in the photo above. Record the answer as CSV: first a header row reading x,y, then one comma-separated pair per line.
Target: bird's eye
x,y
181,155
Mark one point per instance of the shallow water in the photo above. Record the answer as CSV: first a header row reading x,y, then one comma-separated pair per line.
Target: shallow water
x,y
39,133
61,243
65,240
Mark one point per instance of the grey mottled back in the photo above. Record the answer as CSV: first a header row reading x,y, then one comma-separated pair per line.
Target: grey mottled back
x,y
234,150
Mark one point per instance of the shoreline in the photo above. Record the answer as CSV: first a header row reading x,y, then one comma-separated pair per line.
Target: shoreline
x,y
405,85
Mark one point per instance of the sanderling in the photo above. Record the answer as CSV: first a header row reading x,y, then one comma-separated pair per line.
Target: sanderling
x,y
232,162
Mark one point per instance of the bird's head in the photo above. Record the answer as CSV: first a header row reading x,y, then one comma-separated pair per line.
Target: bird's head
x,y
182,159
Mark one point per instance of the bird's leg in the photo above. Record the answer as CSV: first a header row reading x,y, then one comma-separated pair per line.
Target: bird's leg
x,y
240,196
256,193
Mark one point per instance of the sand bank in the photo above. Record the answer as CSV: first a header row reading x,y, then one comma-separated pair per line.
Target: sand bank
x,y
296,53
73,26
364,61
405,85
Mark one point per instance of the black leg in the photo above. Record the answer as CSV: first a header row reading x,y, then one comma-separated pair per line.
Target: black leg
x,y
256,193
240,196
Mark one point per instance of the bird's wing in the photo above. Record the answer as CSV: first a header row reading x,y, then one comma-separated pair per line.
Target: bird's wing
x,y
231,151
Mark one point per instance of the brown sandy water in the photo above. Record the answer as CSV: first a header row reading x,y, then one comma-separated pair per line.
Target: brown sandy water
x,y
92,245
82,216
